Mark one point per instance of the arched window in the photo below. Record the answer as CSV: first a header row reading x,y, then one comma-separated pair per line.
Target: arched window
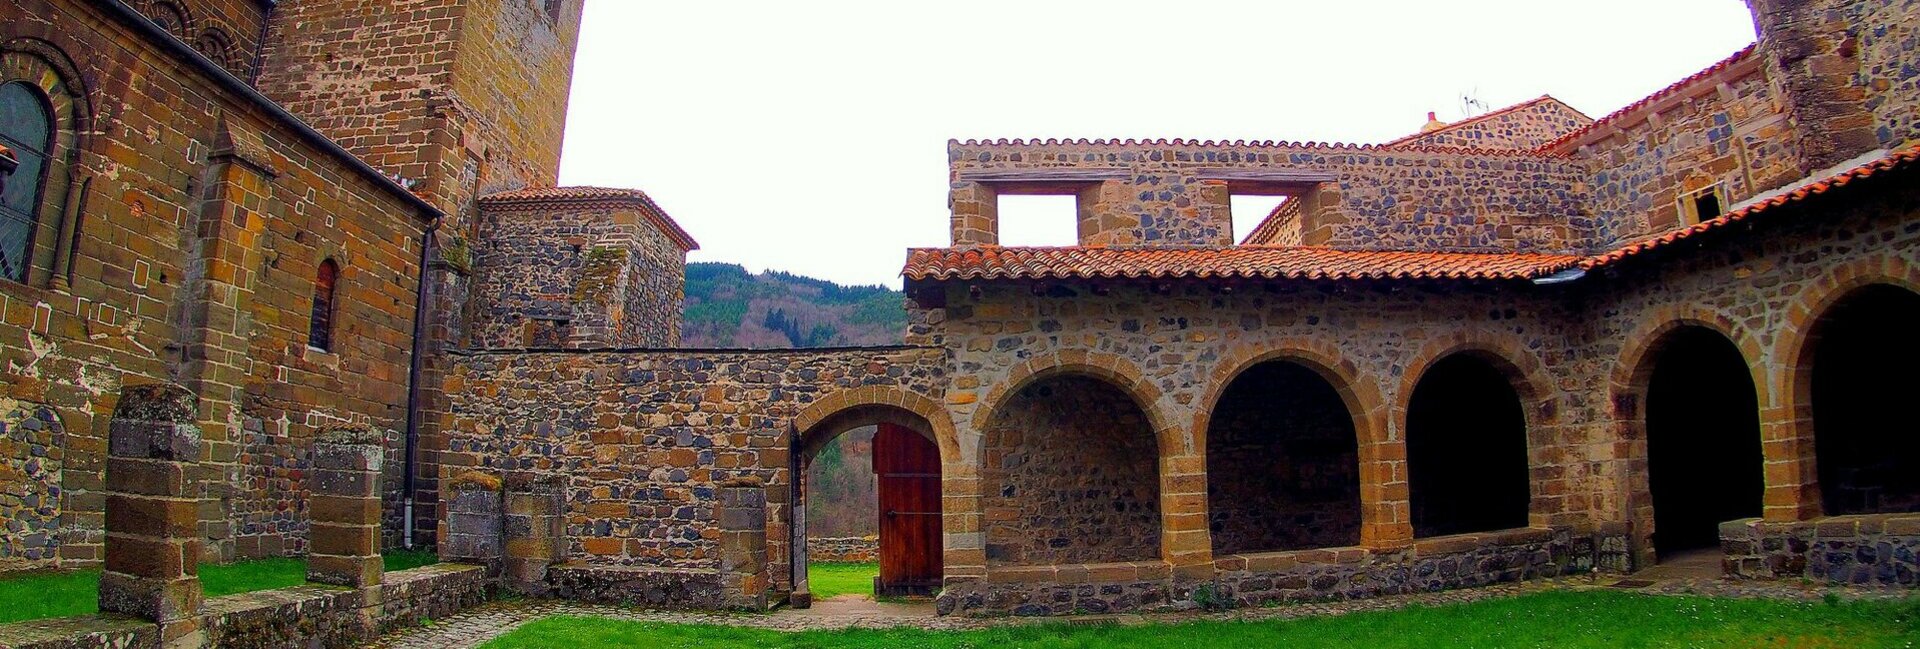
x,y
320,326
25,129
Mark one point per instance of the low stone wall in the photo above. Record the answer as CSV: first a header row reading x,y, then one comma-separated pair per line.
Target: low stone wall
x,y
646,587
1879,549
1442,563
844,549
1462,561
300,616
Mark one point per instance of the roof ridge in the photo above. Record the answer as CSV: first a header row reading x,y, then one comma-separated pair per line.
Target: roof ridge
x,y
1662,93
1486,116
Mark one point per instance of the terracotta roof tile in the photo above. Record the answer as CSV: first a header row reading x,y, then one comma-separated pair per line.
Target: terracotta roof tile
x,y
1581,133
583,195
1896,160
1251,262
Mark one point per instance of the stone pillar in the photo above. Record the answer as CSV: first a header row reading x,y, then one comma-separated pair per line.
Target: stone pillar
x,y
1186,542
976,214
743,545
153,512
802,596
345,508
1813,56
535,531
1104,219
474,527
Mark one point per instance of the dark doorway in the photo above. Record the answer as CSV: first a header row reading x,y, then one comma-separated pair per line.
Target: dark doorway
x,y
1283,463
1864,361
1466,450
908,466
1703,440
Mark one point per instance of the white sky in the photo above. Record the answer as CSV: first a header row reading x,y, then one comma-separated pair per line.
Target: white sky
x,y
811,137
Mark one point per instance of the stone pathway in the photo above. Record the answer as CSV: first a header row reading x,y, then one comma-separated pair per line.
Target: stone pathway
x,y
475,626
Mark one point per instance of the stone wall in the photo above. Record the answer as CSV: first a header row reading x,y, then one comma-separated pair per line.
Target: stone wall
x,y
560,276
1889,35
1442,563
846,549
1523,127
1871,550
174,172
1070,475
32,452
1177,192
1728,130
643,439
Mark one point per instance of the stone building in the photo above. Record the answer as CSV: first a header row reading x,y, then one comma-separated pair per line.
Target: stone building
x,y
1529,343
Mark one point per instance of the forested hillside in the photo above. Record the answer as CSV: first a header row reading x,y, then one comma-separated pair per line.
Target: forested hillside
x,y
728,307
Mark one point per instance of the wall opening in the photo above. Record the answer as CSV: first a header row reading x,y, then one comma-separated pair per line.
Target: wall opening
x,y
1703,440
1250,210
1864,357
1071,475
1039,220
871,471
1283,463
1466,450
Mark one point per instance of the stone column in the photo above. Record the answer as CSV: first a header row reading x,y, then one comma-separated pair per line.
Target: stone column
x,y
345,506
474,522
976,214
153,512
1186,542
535,531
743,545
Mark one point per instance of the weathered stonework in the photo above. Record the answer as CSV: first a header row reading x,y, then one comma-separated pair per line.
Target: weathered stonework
x,y
850,549
32,454
1868,550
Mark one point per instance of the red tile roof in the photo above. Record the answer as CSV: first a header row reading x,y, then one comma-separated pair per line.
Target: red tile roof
x,y
1251,262
1484,117
1311,262
1579,135
1896,160
581,196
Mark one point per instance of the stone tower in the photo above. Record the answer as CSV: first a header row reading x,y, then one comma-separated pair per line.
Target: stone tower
x,y
455,97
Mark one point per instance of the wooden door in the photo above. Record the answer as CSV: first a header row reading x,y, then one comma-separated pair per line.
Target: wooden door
x,y
908,466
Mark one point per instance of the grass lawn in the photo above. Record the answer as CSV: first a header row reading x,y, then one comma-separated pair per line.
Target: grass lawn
x,y
829,579
1556,619
66,594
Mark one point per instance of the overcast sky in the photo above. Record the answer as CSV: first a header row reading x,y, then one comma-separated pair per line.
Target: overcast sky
x,y
811,137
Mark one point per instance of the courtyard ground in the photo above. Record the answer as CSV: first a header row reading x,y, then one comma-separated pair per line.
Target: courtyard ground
x,y
830,580
37,596
1600,610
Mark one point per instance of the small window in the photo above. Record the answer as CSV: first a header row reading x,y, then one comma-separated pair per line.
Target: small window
x,y
553,10
26,130
1039,220
320,325
1702,205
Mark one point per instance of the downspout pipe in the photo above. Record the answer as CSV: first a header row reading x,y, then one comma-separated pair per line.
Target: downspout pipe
x,y
410,472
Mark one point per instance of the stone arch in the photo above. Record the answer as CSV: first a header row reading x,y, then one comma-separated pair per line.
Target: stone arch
x,y
1140,489
878,399
170,16
1630,380
1113,369
51,73
1536,401
1383,497
219,46
1793,490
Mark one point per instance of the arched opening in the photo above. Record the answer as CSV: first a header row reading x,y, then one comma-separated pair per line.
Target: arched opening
x,y
320,322
1283,463
26,135
1704,463
886,458
1466,450
1070,475
1864,353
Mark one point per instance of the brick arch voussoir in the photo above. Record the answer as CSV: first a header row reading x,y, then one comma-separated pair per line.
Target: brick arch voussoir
x,y
1521,368
1362,398
940,423
1634,367
1109,368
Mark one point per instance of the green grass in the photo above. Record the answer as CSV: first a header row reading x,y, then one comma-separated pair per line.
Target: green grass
x,y
1557,619
830,579
64,594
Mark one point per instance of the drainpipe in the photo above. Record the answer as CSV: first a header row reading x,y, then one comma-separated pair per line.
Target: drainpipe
x,y
414,369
